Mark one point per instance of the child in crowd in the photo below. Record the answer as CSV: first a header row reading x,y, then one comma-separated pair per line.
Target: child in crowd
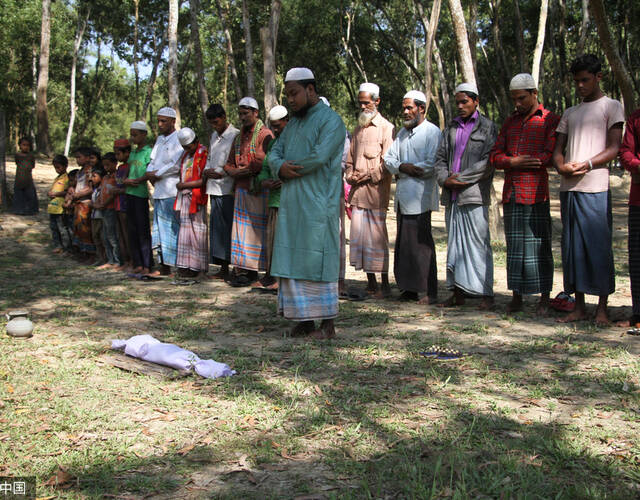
x,y
69,207
97,173
106,201
25,198
95,160
82,207
60,235
122,149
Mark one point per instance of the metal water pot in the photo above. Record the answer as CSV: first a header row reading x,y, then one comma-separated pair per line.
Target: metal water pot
x,y
19,324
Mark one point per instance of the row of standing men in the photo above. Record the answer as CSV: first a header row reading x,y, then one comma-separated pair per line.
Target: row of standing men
x,y
277,202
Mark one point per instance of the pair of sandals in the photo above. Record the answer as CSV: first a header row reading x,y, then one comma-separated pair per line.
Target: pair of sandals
x,y
442,354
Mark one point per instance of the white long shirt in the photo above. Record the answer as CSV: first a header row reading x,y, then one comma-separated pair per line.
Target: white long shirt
x,y
165,163
219,148
415,195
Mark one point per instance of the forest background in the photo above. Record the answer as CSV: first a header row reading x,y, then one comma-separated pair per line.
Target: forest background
x,y
77,72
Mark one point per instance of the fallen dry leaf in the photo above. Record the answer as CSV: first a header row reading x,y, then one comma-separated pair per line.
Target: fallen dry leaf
x,y
318,390
186,449
59,479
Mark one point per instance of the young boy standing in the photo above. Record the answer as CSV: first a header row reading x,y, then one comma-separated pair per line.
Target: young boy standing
x,y
97,173
122,149
108,194
59,230
588,138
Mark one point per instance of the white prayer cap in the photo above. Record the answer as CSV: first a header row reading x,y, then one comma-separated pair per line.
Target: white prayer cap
x,y
299,74
416,95
186,136
467,87
168,112
277,113
370,88
139,125
249,102
325,100
523,81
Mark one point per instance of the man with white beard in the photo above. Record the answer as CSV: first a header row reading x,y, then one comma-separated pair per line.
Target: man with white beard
x,y
369,195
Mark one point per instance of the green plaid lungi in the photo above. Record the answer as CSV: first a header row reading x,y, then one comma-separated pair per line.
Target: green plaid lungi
x,y
529,258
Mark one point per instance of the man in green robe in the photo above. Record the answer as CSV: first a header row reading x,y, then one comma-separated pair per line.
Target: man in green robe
x,y
306,252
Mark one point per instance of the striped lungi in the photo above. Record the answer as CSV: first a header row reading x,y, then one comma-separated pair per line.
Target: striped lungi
x,y
469,254
192,237
369,242
587,255
527,230
634,257
164,237
304,300
249,230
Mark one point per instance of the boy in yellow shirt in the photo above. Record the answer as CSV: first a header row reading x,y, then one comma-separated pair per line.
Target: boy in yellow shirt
x,y
59,231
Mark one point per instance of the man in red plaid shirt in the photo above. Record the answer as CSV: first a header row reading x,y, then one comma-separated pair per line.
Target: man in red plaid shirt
x,y
524,151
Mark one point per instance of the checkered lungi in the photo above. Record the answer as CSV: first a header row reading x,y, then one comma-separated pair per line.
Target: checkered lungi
x,y
249,231
634,257
527,230
369,241
304,300
164,237
192,237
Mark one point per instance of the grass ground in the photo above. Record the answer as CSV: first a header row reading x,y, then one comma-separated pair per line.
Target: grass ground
x,y
536,409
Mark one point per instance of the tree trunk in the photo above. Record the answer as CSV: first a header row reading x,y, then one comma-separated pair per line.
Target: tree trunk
x,y
82,25
136,72
584,28
4,202
268,37
232,62
503,67
43,81
562,54
194,8
519,36
444,89
248,49
34,93
611,51
159,49
473,34
430,27
172,74
542,28
462,41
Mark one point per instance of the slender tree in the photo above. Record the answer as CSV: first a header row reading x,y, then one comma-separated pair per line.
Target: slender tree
x,y
43,81
613,56
77,42
248,48
172,74
4,202
158,49
135,48
223,15
268,38
462,41
194,8
542,28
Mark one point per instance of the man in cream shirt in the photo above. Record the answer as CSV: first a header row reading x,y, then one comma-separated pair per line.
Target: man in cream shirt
x,y
163,172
